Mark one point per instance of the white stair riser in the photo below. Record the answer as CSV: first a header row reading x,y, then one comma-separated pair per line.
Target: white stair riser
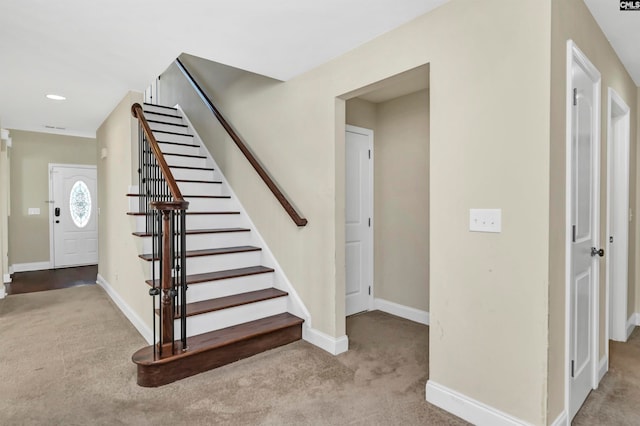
x,y
203,221
199,188
211,321
168,148
157,108
205,241
175,160
160,117
162,127
170,137
208,204
228,287
192,174
221,262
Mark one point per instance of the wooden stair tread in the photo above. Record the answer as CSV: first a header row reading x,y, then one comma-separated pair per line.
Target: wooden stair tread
x,y
200,231
219,338
188,212
192,168
222,275
208,252
189,196
198,181
168,124
171,133
190,145
207,351
173,154
220,303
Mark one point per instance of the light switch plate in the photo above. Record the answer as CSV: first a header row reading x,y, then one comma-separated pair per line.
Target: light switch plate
x,y
485,220
33,211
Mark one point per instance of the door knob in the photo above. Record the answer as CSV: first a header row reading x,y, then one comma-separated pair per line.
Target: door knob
x,y
596,252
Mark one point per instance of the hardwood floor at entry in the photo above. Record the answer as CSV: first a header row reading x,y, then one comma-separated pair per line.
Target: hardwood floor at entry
x,y
51,279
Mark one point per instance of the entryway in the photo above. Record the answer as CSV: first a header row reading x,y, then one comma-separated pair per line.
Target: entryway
x,y
73,215
618,217
387,196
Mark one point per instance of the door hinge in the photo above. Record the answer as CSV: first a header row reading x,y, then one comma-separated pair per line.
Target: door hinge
x,y
573,233
369,154
573,363
369,222
575,96
369,290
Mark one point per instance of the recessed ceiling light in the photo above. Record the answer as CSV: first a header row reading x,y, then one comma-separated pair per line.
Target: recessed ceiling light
x,y
56,97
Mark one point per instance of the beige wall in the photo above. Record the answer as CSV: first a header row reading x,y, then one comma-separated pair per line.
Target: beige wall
x,y
571,20
401,195
30,158
4,212
119,264
489,64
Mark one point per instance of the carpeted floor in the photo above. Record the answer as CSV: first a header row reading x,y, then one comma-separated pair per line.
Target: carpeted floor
x,y
65,360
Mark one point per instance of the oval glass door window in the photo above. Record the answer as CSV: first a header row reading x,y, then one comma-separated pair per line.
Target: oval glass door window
x,y
80,204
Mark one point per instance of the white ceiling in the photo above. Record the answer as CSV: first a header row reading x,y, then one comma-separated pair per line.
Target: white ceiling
x,y
93,52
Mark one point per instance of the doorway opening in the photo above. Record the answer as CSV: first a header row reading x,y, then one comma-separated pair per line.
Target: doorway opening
x,y
617,217
387,195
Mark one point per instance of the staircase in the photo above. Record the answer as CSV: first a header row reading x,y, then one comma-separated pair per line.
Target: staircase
x,y
233,309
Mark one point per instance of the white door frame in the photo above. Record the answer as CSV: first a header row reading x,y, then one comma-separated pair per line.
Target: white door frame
x,y
575,57
369,134
618,115
52,249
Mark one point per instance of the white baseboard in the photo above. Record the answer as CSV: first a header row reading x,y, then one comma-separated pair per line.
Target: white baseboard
x,y
603,367
561,420
467,408
34,266
137,322
6,278
333,345
632,323
402,311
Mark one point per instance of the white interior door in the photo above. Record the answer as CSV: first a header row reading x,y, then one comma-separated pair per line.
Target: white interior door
x,y
584,243
358,216
618,215
74,218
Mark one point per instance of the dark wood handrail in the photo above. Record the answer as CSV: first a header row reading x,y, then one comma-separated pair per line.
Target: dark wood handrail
x,y
138,112
295,216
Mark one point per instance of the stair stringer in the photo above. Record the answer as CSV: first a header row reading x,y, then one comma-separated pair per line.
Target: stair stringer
x,y
295,304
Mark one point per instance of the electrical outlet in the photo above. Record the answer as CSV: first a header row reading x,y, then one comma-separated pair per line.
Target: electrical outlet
x,y
485,220
33,211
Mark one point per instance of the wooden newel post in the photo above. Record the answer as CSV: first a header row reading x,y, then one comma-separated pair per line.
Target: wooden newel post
x,y
167,304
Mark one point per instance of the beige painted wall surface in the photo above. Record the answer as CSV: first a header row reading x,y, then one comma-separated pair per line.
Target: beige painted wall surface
x,y
4,211
571,20
488,147
401,200
361,113
31,154
119,264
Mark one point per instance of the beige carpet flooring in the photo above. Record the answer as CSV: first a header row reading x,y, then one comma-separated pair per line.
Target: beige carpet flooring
x,y
65,360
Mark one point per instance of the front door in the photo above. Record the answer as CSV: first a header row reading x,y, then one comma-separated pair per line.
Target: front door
x,y
358,216
584,241
74,215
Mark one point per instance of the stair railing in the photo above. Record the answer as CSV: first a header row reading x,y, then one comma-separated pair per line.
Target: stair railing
x,y
164,209
286,204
